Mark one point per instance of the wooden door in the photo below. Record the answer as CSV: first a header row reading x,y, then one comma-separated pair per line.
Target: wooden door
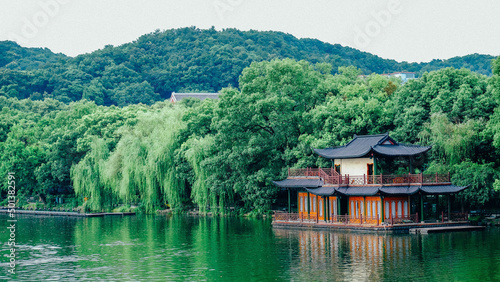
x,y
332,206
369,173
321,208
396,207
313,203
356,209
373,210
302,204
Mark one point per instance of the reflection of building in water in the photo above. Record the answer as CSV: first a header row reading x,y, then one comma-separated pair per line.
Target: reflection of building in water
x,y
372,249
358,255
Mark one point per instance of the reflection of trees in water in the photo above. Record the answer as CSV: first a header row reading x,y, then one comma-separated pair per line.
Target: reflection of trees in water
x,y
356,255
177,248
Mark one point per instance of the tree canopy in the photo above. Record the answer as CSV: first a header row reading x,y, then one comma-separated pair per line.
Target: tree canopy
x,y
181,60
214,155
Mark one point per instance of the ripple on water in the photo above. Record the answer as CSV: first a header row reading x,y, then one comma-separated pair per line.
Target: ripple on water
x,y
117,243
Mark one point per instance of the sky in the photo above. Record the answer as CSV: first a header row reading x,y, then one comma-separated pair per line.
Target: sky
x,y
413,31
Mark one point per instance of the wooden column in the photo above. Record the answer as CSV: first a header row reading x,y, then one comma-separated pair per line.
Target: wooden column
x,y
348,207
337,199
449,207
382,208
299,206
325,214
364,206
308,204
289,210
422,207
437,205
327,208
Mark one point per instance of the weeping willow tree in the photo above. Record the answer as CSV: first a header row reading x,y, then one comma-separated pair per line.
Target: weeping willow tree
x,y
87,177
160,168
452,143
455,150
195,151
121,173
142,166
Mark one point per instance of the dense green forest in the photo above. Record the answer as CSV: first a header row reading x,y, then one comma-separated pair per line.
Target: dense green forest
x,y
224,153
149,69
15,57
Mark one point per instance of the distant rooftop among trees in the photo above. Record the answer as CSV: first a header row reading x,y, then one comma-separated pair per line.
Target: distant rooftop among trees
x,y
176,97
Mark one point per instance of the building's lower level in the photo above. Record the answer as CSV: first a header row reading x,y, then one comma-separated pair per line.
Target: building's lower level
x,y
355,209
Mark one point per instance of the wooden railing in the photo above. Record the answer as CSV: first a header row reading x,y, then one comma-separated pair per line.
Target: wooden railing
x,y
339,219
330,176
295,217
283,216
374,220
412,218
458,216
346,219
321,172
350,220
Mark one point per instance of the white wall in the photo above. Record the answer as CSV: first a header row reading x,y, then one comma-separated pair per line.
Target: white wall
x,y
353,166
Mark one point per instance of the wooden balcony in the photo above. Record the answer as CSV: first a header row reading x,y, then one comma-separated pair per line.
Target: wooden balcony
x,y
330,176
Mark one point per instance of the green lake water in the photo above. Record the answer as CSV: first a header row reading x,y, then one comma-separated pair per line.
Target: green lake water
x,y
178,248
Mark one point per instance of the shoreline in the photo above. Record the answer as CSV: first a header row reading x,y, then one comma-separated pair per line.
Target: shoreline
x,y
64,213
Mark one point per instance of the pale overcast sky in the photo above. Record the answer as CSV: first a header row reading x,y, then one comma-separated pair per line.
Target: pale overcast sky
x,y
397,29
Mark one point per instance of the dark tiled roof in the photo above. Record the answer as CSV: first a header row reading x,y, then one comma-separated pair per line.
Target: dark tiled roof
x,y
359,190
358,147
380,144
442,189
300,183
400,150
400,190
315,186
322,191
202,96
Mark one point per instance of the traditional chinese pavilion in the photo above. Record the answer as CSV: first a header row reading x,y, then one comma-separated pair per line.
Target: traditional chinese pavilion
x,y
356,190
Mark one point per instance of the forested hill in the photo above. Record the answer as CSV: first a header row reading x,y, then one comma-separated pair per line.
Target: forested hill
x,y
186,59
13,56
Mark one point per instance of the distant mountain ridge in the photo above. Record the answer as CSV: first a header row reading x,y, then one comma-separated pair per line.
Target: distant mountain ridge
x,y
181,60
13,56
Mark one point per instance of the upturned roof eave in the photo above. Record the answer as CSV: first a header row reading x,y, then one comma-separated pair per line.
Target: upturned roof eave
x,y
369,190
366,153
342,156
425,150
